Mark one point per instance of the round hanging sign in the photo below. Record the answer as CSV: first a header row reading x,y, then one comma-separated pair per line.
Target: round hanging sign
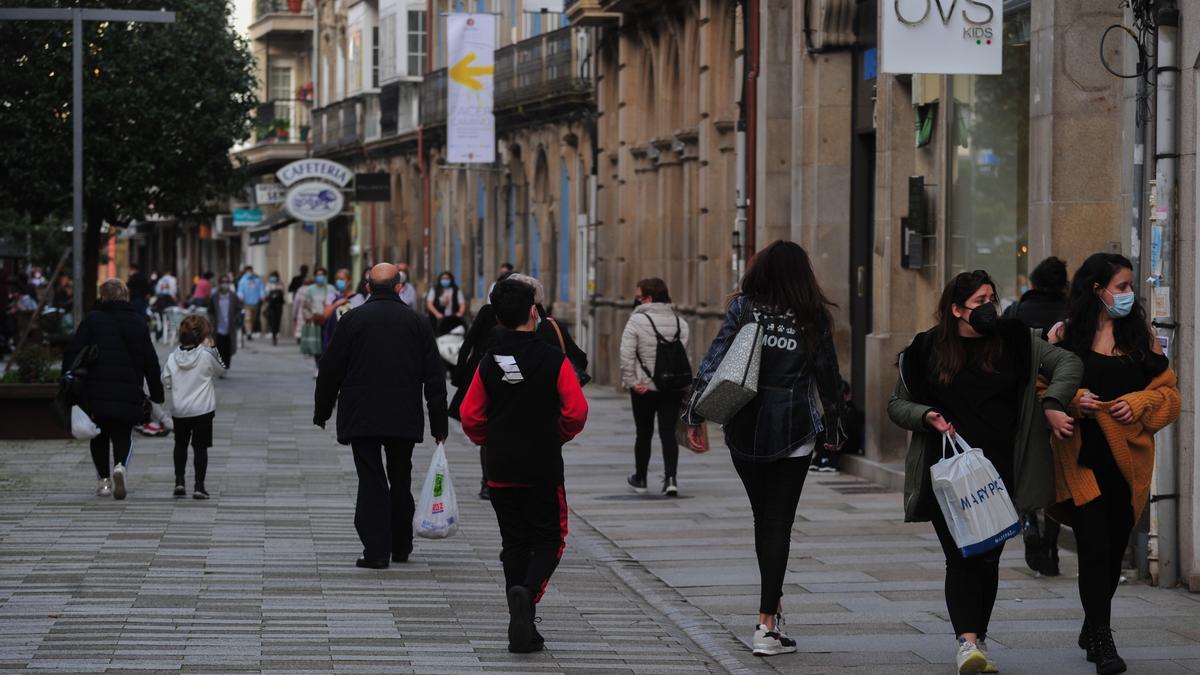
x,y
314,200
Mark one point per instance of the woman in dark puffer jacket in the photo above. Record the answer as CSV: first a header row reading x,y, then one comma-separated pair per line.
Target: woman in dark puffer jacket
x,y
113,394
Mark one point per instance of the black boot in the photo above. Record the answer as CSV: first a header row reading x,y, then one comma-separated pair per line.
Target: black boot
x,y
1101,646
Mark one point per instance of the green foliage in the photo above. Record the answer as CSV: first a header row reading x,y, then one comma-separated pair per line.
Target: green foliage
x,y
35,364
47,239
163,105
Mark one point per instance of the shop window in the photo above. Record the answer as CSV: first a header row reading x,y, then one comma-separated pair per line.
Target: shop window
x,y
988,216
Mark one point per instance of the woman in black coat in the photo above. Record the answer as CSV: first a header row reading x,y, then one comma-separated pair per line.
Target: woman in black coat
x,y
113,393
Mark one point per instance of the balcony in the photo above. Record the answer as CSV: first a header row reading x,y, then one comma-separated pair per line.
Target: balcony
x,y
281,131
534,75
347,124
398,103
281,18
588,13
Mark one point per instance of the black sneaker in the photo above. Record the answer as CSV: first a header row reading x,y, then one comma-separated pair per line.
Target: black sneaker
x,y
180,491
520,622
670,487
199,492
638,484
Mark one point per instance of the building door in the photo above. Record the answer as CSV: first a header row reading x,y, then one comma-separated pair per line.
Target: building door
x,y
862,194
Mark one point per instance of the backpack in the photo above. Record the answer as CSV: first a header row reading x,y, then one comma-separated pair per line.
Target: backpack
x,y
672,370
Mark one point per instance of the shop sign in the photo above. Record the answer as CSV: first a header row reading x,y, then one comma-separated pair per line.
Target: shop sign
x,y
314,200
372,187
247,217
956,37
315,168
260,238
268,193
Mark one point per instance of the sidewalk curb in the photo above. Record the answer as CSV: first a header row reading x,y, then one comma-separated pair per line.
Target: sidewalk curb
x,y
703,630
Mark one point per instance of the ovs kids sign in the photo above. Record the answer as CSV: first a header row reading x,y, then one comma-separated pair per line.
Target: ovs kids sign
x,y
314,188
955,37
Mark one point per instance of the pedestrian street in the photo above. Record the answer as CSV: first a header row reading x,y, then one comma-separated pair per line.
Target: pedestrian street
x,y
262,577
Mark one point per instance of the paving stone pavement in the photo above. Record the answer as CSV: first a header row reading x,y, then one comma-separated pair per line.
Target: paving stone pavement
x,y
261,578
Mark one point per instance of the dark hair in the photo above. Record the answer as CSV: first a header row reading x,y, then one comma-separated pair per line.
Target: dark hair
x,y
1050,275
507,266
448,273
1131,333
193,330
303,270
781,276
274,273
949,354
512,301
207,275
321,270
655,289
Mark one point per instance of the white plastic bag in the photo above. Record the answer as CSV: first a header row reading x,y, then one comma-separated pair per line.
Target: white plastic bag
x,y
82,426
451,343
437,509
973,498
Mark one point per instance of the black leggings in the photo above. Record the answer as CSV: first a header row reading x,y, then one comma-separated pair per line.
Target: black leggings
x,y
117,434
647,406
199,431
774,491
1102,528
971,583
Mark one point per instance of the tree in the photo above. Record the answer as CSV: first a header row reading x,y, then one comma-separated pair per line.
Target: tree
x,y
163,105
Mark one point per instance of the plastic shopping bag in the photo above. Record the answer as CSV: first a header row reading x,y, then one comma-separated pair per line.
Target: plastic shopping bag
x,y
82,426
437,510
973,498
310,340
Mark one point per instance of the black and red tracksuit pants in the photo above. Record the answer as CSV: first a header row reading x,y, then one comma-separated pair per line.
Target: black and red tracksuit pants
x,y
533,533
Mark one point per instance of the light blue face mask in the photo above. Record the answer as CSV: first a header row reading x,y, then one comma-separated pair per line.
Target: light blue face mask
x,y
445,283
1122,304
319,279
341,284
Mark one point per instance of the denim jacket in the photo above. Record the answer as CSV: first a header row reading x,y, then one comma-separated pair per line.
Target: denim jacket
x,y
792,378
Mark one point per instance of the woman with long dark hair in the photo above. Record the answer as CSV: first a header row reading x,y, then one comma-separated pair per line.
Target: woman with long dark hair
x,y
1128,393
446,304
772,438
976,374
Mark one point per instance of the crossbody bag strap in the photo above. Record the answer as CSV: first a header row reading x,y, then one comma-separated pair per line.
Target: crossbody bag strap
x,y
562,344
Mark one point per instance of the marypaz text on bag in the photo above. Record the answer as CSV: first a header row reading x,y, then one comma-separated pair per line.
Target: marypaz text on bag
x,y
973,498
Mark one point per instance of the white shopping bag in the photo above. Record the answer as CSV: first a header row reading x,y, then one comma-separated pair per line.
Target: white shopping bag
x,y
973,498
437,509
82,426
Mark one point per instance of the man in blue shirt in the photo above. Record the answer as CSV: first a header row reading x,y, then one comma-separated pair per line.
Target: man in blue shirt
x,y
250,291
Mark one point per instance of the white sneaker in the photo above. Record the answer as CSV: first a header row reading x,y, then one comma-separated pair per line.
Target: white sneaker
x,y
970,659
991,666
771,643
118,479
104,487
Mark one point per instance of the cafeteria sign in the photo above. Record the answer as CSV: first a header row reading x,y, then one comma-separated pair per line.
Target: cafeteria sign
x,y
314,188
950,37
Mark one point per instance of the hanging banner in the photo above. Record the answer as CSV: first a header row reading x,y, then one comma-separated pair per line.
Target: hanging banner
x,y
942,36
471,132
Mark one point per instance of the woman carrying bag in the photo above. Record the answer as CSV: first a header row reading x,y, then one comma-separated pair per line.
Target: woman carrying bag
x,y
771,438
976,375
1128,392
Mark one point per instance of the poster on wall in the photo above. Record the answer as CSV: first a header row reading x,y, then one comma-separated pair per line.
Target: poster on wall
x,y
471,133
950,37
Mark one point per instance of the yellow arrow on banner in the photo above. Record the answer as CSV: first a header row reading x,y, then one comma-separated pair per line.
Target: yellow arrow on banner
x,y
464,73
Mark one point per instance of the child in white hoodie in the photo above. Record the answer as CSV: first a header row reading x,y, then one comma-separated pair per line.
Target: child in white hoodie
x,y
188,381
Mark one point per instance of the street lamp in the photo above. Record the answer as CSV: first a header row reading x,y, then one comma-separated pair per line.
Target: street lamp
x,y
77,16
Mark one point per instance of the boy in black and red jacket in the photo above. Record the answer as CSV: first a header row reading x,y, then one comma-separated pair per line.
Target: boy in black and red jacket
x,y
523,404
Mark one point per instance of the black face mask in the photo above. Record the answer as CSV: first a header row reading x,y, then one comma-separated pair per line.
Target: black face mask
x,y
637,302
984,319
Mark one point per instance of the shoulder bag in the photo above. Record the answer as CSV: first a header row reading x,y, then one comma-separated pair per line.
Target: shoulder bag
x,y
735,381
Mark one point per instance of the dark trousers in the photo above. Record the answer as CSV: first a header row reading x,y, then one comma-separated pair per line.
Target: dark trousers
x,y
774,491
383,513
118,436
664,406
199,431
971,583
1102,528
224,348
533,534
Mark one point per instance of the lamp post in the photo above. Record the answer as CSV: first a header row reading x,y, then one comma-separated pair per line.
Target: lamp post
x,y
77,16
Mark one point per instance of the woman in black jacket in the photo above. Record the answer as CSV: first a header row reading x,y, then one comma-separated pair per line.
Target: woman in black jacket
x,y
112,391
772,438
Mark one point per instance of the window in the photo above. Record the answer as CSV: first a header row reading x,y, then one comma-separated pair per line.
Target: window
x,y
355,58
417,46
280,93
988,215
387,48
375,57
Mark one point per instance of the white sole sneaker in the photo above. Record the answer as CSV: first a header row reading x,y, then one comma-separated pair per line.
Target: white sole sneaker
x,y
971,661
118,479
769,643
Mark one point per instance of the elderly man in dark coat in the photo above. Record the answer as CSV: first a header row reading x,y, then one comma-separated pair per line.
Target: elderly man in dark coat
x,y
380,361
112,391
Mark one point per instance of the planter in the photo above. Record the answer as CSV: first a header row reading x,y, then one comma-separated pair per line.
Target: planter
x,y
295,6
25,412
